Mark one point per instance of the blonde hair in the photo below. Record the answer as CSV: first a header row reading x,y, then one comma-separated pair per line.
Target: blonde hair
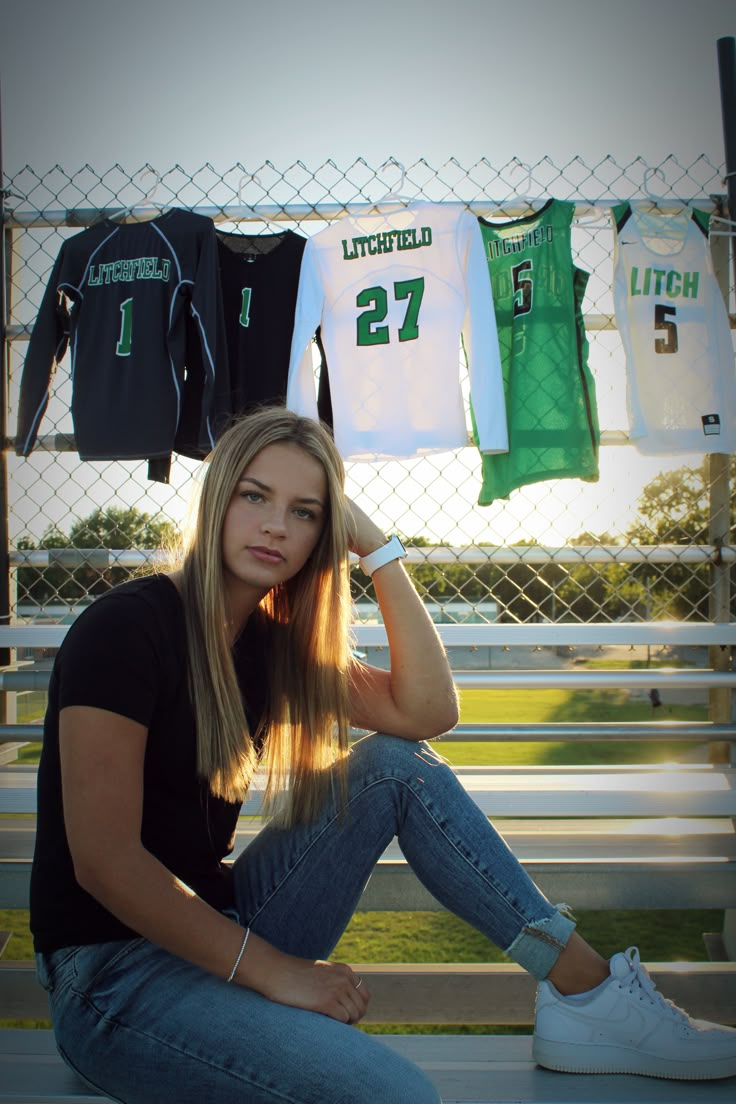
x,y
305,623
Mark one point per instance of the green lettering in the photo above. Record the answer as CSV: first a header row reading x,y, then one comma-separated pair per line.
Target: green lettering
x,y
690,282
674,284
368,333
245,307
413,290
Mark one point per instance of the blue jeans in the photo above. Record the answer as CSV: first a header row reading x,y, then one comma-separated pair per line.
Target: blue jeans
x,y
146,1027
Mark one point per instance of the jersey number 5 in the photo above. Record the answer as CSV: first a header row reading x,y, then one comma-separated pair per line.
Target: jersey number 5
x,y
666,344
368,330
522,275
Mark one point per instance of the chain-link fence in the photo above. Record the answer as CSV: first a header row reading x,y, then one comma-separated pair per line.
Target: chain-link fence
x,y
645,541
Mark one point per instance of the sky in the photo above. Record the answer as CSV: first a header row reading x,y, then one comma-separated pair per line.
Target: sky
x,y
184,82
181,81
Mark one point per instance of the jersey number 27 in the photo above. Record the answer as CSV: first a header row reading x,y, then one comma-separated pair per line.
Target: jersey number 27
x,y
369,332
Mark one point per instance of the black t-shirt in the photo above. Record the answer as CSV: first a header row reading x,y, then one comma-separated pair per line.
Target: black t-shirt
x,y
127,653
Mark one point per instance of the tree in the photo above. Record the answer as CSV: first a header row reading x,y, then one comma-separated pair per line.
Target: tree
x,y
115,528
674,509
526,592
594,592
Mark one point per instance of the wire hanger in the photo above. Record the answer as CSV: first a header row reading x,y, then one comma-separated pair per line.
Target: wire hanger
x,y
524,196
513,205
658,200
244,211
126,212
395,195
657,204
655,197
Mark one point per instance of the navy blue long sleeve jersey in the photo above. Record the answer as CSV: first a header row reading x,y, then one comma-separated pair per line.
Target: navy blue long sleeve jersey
x,y
127,300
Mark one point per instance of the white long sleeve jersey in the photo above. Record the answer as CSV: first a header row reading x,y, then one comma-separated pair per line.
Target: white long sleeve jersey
x,y
394,294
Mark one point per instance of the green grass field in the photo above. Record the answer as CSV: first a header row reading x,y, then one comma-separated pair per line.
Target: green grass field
x,y
531,707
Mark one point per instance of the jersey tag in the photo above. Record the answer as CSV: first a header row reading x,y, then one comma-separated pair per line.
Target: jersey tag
x,y
711,424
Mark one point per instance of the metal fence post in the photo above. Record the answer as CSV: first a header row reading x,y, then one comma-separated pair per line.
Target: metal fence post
x,y
718,535
7,700
720,705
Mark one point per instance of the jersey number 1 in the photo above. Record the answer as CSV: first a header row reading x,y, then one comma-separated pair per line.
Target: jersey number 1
x,y
126,328
245,307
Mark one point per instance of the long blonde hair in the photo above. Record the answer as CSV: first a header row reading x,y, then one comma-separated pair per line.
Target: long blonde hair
x,y
305,623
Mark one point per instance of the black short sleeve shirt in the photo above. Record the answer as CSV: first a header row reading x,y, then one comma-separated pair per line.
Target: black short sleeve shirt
x,y
127,653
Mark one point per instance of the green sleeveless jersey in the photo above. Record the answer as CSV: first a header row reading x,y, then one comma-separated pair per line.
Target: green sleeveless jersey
x,y
549,390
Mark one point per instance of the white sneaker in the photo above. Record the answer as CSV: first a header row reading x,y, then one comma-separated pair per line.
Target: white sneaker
x,y
627,1026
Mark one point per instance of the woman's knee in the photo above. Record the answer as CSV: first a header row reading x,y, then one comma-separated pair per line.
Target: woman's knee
x,y
380,750
393,1080
420,1091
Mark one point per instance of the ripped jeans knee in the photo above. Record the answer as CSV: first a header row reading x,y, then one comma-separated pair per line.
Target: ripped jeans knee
x,y
539,943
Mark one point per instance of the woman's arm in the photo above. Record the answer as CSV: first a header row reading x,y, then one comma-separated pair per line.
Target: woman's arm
x,y
102,757
416,698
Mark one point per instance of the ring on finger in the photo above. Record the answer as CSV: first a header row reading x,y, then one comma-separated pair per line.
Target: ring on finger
x,y
360,982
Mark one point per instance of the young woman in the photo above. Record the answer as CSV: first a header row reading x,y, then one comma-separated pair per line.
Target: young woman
x,y
174,977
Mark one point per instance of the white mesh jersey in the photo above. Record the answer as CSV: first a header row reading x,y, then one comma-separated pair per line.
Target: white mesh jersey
x,y
394,294
681,380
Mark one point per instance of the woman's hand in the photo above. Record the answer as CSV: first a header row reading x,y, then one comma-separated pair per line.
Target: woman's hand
x,y
331,988
364,536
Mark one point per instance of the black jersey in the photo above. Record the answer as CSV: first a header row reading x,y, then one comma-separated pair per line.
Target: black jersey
x,y
259,276
123,298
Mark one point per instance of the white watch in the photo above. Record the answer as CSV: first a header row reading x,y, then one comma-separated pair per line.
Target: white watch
x,y
392,550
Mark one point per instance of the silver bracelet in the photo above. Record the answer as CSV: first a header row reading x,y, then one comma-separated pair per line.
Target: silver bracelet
x,y
241,952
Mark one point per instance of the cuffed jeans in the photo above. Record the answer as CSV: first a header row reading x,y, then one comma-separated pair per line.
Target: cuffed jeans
x,y
146,1027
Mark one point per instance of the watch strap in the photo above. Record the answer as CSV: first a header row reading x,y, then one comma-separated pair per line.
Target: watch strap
x,y
393,549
